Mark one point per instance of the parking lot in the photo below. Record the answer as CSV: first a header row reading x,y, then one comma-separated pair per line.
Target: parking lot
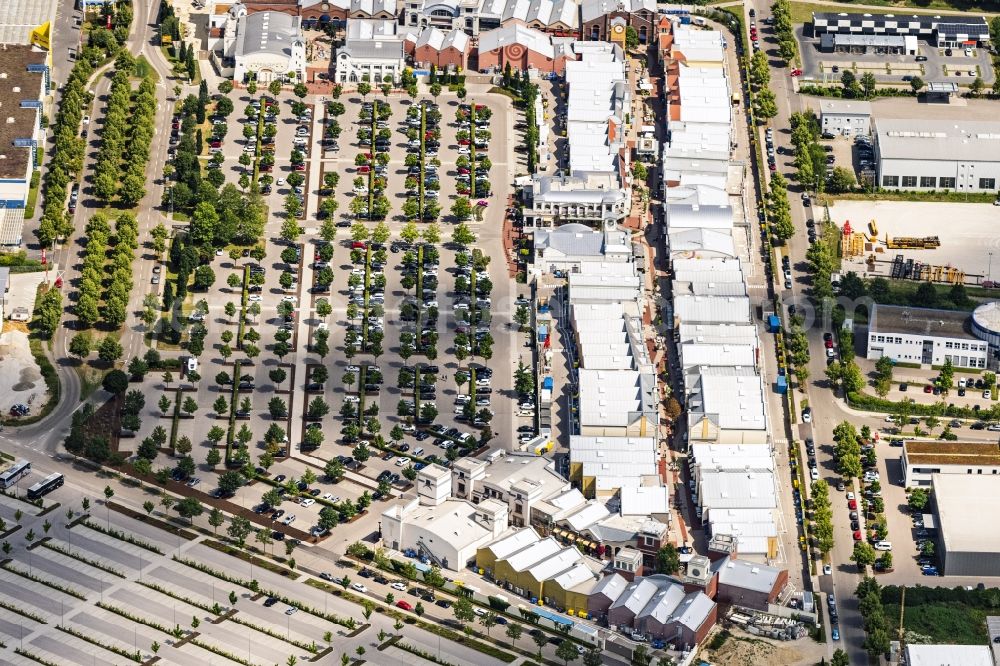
x,y
930,64
400,276
112,599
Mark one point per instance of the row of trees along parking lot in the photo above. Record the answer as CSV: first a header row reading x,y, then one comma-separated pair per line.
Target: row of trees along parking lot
x,y
66,156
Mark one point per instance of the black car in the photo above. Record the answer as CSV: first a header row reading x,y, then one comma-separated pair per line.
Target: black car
x,y
421,435
443,603
270,601
404,447
380,579
280,478
366,573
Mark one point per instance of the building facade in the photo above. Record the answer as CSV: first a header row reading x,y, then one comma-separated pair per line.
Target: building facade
x,y
372,51
846,118
938,155
269,46
921,461
938,30
925,336
24,76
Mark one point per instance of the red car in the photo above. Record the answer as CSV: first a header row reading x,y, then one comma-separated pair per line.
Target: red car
x,y
772,166
852,505
928,389
364,169
796,72
298,167
405,605
829,344
464,171
857,535
215,144
464,142
358,245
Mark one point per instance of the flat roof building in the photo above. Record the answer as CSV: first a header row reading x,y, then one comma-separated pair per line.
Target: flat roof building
x,y
925,336
948,655
947,30
956,155
23,86
601,466
448,533
965,545
921,461
845,117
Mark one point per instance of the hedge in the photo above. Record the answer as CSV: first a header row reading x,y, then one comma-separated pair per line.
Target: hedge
x,y
873,404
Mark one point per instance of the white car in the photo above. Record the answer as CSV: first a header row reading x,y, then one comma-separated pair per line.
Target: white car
x,y
827,569
358,587
309,501
255,298
408,428
399,586
289,519
479,611
279,182
290,298
850,496
330,497
402,460
814,474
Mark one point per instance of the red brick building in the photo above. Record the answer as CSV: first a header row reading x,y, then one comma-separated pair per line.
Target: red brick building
x,y
445,50
524,48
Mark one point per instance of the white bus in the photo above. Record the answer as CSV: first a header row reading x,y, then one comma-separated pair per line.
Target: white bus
x,y
45,486
14,473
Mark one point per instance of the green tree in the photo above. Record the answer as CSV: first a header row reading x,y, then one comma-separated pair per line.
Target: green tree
x,y
566,650
462,608
668,559
863,555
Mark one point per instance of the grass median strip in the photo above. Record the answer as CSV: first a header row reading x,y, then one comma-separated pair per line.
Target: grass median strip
x,y
247,557
122,536
222,653
6,605
128,654
252,585
80,558
134,618
447,634
47,583
34,657
215,610
311,648
423,654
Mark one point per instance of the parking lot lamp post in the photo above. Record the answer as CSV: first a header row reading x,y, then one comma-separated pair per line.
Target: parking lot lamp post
x,y
989,270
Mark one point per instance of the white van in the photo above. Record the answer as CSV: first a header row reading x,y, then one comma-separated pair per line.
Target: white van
x,y
883,545
417,452
191,365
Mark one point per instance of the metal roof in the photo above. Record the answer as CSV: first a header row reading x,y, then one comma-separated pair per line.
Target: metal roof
x,y
267,32
747,575
929,140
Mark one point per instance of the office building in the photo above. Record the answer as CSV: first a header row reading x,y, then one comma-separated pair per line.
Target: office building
x,y
921,461
925,336
845,117
955,155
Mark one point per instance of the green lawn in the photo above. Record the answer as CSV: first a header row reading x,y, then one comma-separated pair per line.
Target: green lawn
x,y
144,70
943,622
802,12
